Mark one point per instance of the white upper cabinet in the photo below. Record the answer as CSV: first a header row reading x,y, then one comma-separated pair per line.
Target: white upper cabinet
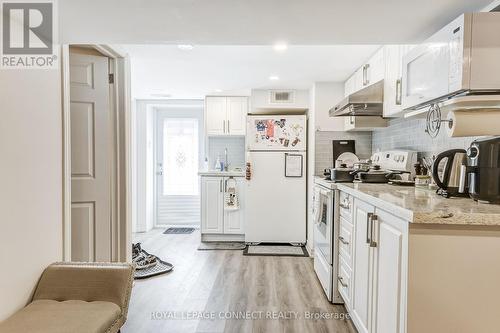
x,y
371,72
386,64
215,115
393,88
225,115
355,82
375,68
237,108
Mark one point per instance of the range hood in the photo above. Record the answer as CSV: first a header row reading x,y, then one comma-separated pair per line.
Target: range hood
x,y
368,101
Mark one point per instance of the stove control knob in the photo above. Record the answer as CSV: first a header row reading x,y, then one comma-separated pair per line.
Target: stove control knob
x,y
472,152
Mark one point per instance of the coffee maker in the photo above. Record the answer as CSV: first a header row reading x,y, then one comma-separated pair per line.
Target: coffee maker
x,y
481,174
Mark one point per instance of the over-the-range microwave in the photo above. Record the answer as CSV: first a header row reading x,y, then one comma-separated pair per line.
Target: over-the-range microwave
x,y
461,58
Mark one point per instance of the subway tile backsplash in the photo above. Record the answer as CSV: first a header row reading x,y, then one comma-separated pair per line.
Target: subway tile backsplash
x,y
410,134
324,149
235,150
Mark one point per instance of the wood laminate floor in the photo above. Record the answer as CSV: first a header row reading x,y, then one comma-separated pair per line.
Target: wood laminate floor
x,y
234,293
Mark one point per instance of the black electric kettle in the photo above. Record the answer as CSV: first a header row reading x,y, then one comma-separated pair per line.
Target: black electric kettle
x,y
447,177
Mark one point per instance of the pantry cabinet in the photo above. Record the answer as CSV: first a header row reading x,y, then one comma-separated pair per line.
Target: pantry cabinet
x,y
215,220
225,115
378,277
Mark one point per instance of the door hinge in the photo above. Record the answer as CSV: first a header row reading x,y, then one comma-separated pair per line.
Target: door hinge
x,y
111,78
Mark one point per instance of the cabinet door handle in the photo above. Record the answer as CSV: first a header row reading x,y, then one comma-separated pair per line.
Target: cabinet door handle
x,y
341,281
224,125
364,75
345,204
373,219
368,230
367,78
342,239
399,91
220,185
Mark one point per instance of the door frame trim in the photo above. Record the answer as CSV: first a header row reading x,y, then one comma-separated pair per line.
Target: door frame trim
x,y
122,167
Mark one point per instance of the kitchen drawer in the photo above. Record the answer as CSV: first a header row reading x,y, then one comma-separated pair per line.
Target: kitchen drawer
x,y
345,241
345,203
344,283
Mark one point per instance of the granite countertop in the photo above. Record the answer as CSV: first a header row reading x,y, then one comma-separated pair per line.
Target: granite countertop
x,y
218,173
424,206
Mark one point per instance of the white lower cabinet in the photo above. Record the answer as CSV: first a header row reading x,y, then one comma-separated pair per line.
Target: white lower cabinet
x,y
389,277
378,280
214,219
361,285
234,220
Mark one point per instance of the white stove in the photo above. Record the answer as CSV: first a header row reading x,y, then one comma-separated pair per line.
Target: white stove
x,y
326,232
327,221
395,160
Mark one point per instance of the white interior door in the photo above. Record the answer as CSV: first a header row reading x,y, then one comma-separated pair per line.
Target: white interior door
x,y
91,158
179,157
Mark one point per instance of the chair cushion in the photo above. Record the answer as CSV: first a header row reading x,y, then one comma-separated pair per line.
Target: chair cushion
x,y
47,316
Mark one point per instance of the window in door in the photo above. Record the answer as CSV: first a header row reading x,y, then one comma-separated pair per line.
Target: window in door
x,y
180,156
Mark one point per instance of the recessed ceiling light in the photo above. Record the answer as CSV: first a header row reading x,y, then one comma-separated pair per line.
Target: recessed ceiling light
x,y
185,47
218,90
280,47
274,78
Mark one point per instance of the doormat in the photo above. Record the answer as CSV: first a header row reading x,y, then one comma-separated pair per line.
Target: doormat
x,y
178,231
221,246
161,267
277,250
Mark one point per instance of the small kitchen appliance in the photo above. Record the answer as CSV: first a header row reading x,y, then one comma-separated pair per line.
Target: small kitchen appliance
x,y
481,174
446,172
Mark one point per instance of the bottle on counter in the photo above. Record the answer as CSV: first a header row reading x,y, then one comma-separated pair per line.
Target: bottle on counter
x,y
205,163
217,165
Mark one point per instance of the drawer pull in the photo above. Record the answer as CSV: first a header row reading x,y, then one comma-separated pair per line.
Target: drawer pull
x,y
345,204
343,240
341,281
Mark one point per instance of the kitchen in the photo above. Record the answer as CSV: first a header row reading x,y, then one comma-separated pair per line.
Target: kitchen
x,y
378,178
250,166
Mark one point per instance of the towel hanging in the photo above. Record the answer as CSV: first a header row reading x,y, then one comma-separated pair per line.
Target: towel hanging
x,y
231,201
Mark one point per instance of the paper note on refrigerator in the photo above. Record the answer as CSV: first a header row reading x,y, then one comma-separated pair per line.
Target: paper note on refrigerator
x,y
293,165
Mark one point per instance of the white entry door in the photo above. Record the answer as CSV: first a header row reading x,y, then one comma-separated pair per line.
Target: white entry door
x,y
91,158
179,157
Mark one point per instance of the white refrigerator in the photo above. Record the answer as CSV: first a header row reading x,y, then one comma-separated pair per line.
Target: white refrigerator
x,y
276,191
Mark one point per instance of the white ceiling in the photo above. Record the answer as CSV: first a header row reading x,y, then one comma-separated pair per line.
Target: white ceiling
x,y
256,22
162,69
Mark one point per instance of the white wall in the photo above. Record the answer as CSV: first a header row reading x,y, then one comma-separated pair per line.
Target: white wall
x,y
31,181
260,99
323,96
144,165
